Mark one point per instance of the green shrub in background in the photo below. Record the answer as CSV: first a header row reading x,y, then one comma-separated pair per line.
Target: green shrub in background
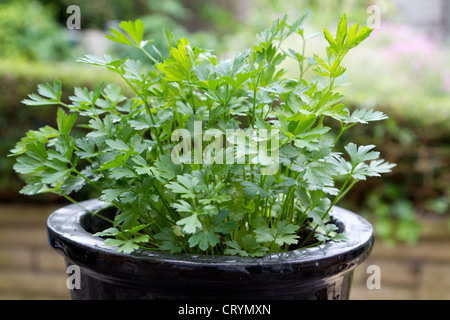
x,y
36,29
192,14
321,12
29,30
95,14
205,22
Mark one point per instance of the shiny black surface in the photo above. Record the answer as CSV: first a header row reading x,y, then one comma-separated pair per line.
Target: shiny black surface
x,y
322,272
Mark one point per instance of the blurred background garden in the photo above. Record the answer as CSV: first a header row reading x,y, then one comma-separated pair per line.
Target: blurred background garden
x,y
403,69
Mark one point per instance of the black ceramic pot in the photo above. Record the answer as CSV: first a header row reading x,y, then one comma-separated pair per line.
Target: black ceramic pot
x,y
323,272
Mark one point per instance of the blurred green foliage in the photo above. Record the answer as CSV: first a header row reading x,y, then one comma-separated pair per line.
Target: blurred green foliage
x,y
193,14
95,14
206,22
29,31
326,10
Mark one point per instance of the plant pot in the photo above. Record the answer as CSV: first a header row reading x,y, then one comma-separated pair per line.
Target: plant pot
x,y
322,272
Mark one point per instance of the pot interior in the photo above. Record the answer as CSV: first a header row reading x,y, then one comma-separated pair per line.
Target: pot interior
x,y
92,223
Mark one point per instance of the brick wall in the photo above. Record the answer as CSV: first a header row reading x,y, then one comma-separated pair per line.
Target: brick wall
x,y
419,272
30,269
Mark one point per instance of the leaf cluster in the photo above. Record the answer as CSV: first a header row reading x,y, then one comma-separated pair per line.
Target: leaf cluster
x,y
214,200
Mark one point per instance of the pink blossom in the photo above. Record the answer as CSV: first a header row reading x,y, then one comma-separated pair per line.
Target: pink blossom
x,y
407,41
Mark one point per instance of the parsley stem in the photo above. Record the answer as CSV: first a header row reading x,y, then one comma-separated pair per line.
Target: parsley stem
x,y
313,244
63,104
343,129
340,134
341,193
254,100
331,83
302,62
94,213
192,95
147,109
162,216
83,176
148,55
165,203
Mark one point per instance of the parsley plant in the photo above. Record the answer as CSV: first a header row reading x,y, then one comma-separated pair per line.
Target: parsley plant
x,y
218,199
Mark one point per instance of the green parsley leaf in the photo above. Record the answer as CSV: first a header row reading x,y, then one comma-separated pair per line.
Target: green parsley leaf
x,y
204,239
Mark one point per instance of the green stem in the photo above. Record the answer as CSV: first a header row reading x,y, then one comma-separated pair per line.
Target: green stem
x,y
63,104
94,213
148,55
84,177
343,129
340,133
341,193
331,83
302,63
254,99
162,216
192,95
171,212
147,109
339,197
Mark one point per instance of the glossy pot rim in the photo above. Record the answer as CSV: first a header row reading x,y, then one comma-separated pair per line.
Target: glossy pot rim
x,y
65,230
